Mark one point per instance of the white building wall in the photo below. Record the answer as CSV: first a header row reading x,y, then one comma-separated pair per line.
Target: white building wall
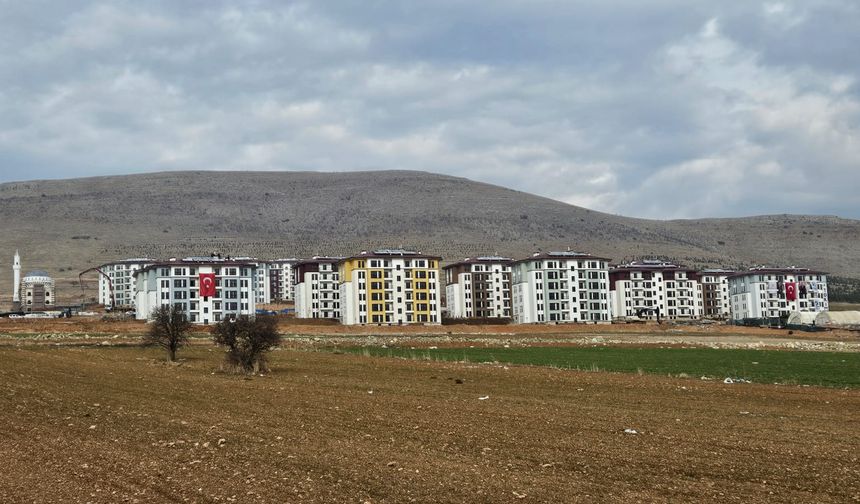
x,y
456,301
121,275
179,284
462,297
398,295
561,288
263,289
757,295
350,300
318,293
677,295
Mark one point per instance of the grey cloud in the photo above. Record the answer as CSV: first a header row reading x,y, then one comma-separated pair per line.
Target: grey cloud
x,y
664,109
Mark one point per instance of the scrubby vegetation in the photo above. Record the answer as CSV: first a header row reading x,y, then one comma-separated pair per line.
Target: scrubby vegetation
x,y
169,329
247,340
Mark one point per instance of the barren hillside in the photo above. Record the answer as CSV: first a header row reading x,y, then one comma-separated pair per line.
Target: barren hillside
x,y
65,226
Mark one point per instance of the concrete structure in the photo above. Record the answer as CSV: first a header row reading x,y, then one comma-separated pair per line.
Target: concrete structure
x,y
479,288
770,293
838,320
282,280
560,287
648,288
317,293
117,287
390,286
716,303
181,282
16,279
802,318
262,289
37,291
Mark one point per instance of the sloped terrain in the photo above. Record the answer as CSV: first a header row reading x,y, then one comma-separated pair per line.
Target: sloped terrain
x,y
66,226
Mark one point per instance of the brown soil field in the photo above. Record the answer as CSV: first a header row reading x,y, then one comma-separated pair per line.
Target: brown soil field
x,y
94,331
324,327
120,425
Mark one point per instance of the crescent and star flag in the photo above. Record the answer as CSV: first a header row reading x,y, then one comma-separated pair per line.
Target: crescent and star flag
x,y
207,284
790,291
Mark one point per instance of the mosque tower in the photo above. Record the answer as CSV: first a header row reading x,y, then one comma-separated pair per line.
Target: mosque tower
x,y
16,270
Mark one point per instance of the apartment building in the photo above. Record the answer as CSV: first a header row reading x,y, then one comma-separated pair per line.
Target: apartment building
x,y
560,287
282,280
317,293
655,289
208,289
716,303
767,293
390,286
479,288
116,284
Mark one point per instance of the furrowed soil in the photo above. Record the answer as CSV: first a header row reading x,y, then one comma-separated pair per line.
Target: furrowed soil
x,y
117,424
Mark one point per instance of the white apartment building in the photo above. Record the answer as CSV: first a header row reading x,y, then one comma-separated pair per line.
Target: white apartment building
x,y
560,287
390,286
117,286
317,293
716,302
183,282
649,289
767,293
263,290
479,288
282,280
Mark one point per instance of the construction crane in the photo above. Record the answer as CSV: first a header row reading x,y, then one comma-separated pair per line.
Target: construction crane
x,y
109,282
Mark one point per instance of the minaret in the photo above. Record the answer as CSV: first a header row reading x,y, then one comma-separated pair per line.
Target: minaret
x,y
16,270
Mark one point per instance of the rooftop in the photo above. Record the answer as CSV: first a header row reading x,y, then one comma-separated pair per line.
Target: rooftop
x,y
568,254
37,273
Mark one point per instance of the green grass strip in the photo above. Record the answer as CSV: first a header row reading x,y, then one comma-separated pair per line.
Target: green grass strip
x,y
829,369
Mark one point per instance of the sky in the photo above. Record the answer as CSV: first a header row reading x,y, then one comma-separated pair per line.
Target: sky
x,y
659,109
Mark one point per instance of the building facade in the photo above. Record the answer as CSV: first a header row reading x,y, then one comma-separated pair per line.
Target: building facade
x,y
768,293
317,290
655,289
560,287
37,292
479,288
282,280
208,289
390,286
716,302
117,288
263,289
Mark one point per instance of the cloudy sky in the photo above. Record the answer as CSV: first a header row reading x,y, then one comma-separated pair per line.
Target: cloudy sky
x,y
665,108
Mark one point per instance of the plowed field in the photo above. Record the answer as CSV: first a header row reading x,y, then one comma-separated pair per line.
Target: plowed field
x,y
118,425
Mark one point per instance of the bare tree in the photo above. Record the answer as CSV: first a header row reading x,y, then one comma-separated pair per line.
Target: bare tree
x,y
247,341
169,329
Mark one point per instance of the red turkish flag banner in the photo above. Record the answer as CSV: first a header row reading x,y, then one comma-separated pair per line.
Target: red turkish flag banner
x,y
207,284
790,291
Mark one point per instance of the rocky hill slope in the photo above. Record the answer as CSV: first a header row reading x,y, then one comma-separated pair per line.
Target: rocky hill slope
x,y
65,226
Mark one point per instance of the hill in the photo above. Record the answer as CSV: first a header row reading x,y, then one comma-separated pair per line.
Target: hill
x,y
65,226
